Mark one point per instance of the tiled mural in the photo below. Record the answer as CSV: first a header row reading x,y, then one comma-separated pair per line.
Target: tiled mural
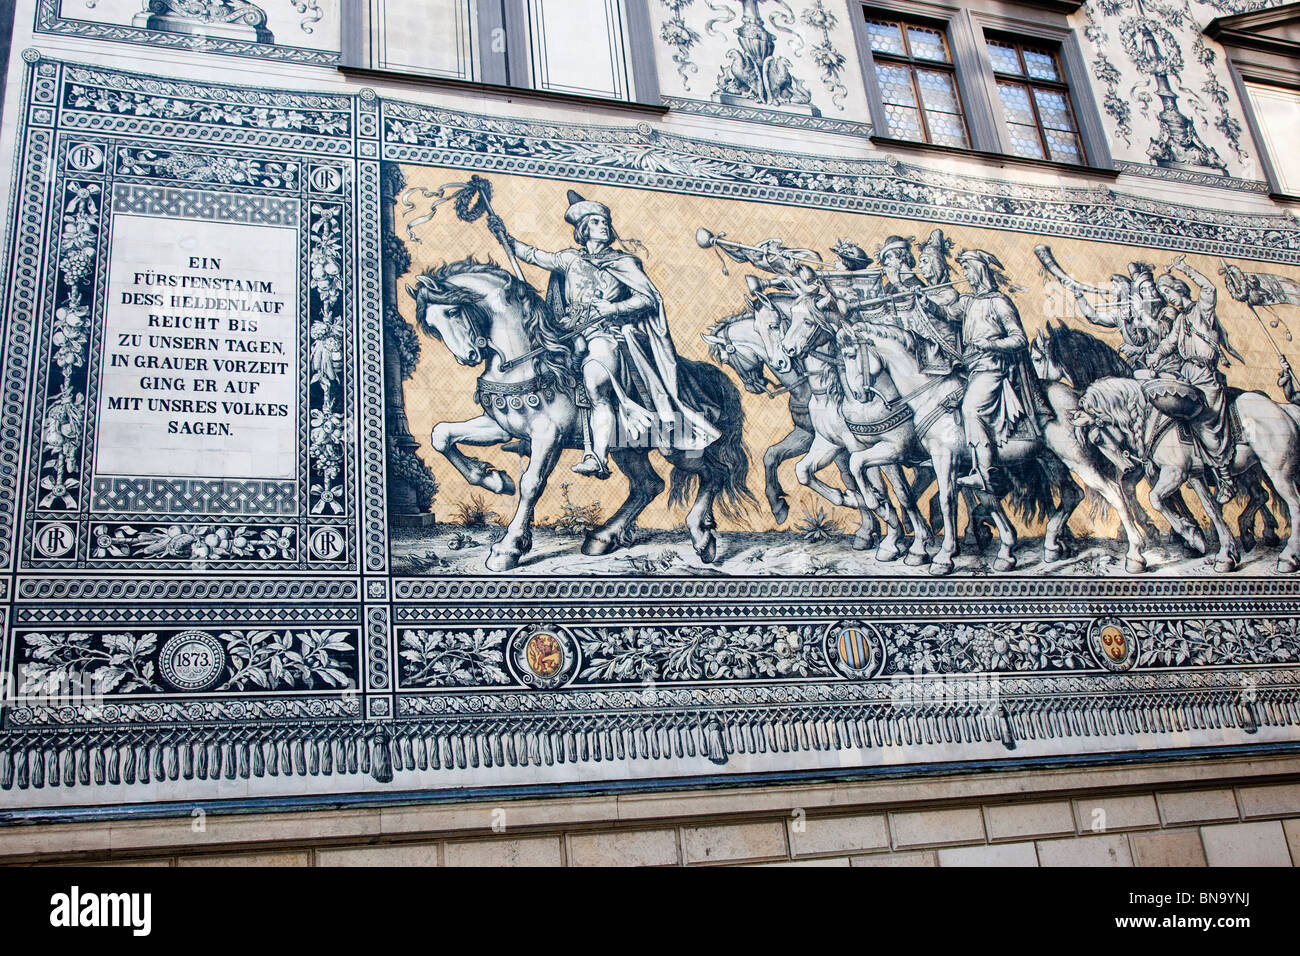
x,y
370,440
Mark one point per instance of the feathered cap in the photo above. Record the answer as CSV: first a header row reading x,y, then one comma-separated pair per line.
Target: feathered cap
x,y
852,254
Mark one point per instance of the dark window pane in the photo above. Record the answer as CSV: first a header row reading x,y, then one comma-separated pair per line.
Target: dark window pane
x,y
1024,140
946,129
895,84
1054,108
938,91
1015,103
927,44
904,123
1065,147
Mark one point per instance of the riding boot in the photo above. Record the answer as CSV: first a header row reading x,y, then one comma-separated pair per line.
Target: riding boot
x,y
1225,485
591,465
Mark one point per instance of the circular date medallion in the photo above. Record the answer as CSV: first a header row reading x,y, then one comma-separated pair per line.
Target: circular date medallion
x,y
192,660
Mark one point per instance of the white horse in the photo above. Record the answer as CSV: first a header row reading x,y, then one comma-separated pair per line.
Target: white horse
x,y
485,316
1115,415
1065,359
934,401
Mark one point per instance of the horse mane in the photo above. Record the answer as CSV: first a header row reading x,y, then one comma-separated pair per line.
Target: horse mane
x,y
1084,357
897,335
719,327
1118,401
543,331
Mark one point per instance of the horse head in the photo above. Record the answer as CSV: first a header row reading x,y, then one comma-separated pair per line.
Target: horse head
x,y
808,313
859,364
451,312
1110,419
735,342
1040,353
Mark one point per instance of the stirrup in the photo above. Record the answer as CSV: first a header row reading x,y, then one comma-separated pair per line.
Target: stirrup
x,y
591,465
1225,489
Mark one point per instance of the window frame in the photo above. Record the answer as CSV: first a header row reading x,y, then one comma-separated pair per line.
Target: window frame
x,y
911,63
1030,83
511,71
966,29
1263,60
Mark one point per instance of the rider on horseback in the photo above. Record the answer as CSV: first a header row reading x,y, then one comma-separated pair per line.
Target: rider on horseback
x,y
629,344
1199,341
921,314
1001,390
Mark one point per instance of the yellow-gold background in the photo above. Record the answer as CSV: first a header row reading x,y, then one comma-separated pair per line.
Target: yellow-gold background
x,y
697,294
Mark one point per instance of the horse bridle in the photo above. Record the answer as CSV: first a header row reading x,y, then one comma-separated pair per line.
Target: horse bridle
x,y
770,389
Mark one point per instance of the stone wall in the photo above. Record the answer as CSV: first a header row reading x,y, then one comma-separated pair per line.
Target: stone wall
x,y
1242,812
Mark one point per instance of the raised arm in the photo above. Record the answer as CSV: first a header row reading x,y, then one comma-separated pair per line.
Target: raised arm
x,y
1209,294
549,261
1106,320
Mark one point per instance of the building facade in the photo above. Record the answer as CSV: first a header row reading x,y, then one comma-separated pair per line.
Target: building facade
x,y
651,431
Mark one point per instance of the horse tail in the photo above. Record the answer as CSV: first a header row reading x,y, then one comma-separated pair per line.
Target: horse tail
x,y
726,457
1031,489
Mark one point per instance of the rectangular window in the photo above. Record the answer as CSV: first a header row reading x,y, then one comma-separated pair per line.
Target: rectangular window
x,y
918,84
1277,118
578,47
595,48
1035,101
434,37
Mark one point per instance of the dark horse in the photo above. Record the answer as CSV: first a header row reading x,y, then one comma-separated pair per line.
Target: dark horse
x,y
485,316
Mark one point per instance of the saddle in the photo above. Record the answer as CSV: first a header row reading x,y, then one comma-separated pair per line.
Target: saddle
x,y
1172,395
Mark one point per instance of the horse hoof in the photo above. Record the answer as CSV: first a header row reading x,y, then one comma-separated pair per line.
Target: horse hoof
x,y
781,511
596,546
1197,543
1287,565
942,564
890,553
499,483
1225,565
1247,542
1052,554
1135,565
499,561
709,552
915,559
864,543
1001,563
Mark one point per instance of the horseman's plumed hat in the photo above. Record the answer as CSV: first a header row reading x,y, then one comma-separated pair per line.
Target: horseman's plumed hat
x,y
851,254
580,209
895,243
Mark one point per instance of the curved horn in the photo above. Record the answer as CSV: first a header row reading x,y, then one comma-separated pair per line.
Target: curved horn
x,y
754,284
703,238
411,292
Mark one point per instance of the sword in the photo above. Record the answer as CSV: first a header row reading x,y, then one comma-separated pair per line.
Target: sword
x,y
573,333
